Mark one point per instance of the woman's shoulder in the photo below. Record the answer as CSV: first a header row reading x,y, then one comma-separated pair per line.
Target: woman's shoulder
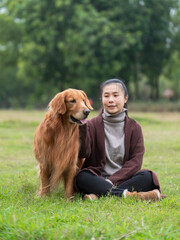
x,y
95,123
132,122
133,129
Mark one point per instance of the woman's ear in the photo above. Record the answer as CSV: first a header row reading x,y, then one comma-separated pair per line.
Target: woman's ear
x,y
87,100
58,103
126,98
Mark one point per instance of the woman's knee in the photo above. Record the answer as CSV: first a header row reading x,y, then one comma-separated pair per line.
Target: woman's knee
x,y
82,178
147,175
87,182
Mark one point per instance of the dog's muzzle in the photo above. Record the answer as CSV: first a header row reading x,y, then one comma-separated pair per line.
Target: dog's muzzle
x,y
81,121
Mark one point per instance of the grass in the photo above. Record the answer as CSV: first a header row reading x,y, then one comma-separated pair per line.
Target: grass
x,y
24,216
154,106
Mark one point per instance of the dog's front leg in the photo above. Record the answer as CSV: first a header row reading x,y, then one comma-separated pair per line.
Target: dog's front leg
x,y
69,182
44,177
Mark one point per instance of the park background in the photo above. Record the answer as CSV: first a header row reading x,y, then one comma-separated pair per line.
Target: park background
x,y
48,46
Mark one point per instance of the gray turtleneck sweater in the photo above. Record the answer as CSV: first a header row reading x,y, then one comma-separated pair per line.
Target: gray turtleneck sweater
x,y
114,141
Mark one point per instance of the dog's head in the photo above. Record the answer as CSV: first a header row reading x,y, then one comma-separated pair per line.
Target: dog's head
x,y
72,103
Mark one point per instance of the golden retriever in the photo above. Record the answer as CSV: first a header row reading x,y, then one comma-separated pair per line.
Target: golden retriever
x,y
56,140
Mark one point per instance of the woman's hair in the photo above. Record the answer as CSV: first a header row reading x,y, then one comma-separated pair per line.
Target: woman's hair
x,y
115,80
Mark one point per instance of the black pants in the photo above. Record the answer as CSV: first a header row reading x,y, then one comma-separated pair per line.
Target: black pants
x,y
88,183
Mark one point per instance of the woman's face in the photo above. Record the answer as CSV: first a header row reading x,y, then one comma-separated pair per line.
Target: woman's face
x,y
113,98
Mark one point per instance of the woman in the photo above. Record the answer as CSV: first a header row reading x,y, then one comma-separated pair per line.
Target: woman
x,y
113,146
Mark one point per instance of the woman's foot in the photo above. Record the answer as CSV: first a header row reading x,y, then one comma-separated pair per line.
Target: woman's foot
x,y
150,195
91,197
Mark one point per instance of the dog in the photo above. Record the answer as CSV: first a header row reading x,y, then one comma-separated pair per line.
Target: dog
x,y
56,140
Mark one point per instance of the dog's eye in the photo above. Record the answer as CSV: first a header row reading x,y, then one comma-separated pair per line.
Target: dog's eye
x,y
73,101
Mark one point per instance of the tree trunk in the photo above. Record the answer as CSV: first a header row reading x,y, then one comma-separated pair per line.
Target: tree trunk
x,y
156,85
154,88
136,80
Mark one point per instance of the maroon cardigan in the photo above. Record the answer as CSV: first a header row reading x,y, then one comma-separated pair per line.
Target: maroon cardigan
x,y
92,139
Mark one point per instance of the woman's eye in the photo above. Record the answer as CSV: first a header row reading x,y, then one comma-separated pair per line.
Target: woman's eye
x,y
73,101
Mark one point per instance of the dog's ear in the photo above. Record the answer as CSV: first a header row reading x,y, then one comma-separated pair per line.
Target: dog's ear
x,y
58,103
87,100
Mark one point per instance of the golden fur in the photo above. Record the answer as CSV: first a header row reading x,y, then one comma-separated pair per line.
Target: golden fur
x,y
56,140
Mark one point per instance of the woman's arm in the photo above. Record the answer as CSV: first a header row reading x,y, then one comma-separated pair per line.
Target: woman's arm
x,y
85,141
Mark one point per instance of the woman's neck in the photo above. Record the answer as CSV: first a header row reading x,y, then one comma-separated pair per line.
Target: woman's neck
x,y
115,117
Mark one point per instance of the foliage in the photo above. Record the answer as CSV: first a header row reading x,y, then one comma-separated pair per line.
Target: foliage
x,y
10,33
24,216
53,45
171,69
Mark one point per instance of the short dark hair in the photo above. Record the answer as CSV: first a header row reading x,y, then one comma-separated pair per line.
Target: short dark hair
x,y
115,80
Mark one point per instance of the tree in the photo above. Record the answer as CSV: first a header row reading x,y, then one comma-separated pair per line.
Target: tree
x,y
10,33
155,40
80,43
171,69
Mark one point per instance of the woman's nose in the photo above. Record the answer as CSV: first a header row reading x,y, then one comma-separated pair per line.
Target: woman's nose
x,y
111,99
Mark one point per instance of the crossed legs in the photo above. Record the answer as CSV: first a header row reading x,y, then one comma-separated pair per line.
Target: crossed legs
x,y
88,183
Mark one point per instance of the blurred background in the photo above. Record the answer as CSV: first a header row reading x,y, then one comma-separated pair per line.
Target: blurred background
x,y
50,45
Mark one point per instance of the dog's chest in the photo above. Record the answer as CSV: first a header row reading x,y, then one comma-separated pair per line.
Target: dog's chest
x,y
67,146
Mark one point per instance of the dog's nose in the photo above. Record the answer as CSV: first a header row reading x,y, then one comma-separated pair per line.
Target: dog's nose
x,y
86,112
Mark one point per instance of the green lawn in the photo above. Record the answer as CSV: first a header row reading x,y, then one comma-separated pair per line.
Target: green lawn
x,y
24,216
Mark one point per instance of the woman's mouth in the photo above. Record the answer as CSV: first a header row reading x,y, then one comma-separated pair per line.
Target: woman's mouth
x,y
111,106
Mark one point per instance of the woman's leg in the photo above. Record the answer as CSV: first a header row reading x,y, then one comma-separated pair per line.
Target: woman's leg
x,y
88,183
140,182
